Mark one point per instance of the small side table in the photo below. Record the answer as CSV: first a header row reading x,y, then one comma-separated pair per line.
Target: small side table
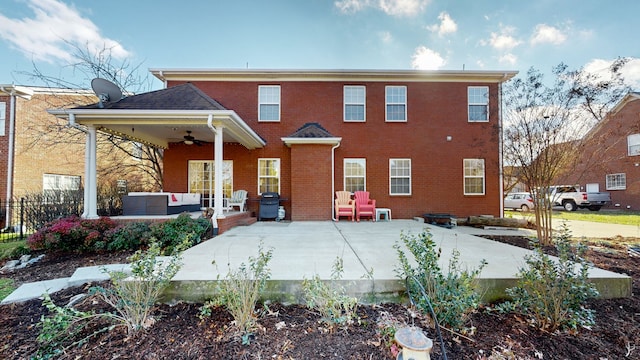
x,y
383,211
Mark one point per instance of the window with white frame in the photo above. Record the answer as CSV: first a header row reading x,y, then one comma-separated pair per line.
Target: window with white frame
x,y
396,103
354,103
478,99
55,184
3,117
633,144
269,103
474,176
202,177
355,174
268,175
400,176
617,181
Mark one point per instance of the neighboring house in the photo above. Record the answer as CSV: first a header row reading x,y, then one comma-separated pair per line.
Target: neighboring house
x,y
418,141
611,157
39,153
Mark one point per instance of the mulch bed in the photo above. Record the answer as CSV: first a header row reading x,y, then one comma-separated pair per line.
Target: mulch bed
x,y
295,332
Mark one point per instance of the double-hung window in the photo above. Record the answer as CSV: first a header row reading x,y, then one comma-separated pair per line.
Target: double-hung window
x,y
268,175
474,176
400,176
396,103
269,103
202,177
478,99
354,103
633,144
56,188
355,174
617,181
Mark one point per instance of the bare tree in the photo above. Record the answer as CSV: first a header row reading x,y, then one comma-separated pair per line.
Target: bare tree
x,y
127,77
544,125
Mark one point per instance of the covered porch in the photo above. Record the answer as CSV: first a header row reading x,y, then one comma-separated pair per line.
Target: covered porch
x,y
180,114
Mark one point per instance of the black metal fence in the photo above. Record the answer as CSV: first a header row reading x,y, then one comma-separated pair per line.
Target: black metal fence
x,y
19,218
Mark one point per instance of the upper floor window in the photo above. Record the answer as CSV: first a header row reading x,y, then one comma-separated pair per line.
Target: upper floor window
x,y
478,98
617,181
56,188
633,144
354,103
202,177
269,103
268,175
396,103
474,176
355,175
400,176
3,117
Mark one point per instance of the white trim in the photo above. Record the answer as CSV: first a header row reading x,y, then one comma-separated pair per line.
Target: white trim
x,y
279,103
344,172
387,103
465,177
469,104
309,141
400,177
363,104
270,177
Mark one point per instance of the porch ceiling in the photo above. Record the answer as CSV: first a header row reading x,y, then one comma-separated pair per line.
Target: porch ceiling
x,y
161,127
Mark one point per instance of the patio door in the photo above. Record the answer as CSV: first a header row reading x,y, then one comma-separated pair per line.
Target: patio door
x,y
202,177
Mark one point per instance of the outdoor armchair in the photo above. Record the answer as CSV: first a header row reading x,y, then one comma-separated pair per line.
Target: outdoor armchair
x,y
344,205
239,199
364,205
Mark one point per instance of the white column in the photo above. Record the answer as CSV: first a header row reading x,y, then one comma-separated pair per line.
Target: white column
x,y
91,188
218,167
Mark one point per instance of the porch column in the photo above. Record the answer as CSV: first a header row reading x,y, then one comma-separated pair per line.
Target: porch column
x,y
90,186
218,158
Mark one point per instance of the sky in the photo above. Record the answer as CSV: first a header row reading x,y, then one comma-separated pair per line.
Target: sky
x,y
318,34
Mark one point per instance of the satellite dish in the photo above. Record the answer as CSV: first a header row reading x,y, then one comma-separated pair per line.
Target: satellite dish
x,y
106,91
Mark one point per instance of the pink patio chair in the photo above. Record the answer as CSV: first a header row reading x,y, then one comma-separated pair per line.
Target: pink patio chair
x,y
364,205
344,205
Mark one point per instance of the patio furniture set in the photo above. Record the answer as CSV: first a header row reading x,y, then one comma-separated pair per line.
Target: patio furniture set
x,y
358,206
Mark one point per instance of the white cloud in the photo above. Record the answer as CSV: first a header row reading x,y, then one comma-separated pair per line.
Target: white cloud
x,y
46,36
545,34
509,59
504,41
426,59
390,7
630,71
446,26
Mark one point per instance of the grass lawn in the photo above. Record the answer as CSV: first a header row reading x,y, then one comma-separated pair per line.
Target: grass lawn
x,y
602,216
7,248
6,287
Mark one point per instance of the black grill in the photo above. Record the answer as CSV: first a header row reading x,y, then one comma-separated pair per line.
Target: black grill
x,y
269,203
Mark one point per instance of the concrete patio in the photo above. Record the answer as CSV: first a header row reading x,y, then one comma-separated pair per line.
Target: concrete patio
x,y
303,249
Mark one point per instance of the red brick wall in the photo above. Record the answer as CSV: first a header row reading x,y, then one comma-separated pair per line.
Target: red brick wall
x,y
311,194
606,152
435,110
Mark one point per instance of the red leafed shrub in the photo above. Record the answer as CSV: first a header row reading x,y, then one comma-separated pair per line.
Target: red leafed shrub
x,y
71,234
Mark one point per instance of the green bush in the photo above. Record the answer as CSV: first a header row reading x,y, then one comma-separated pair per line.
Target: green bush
x,y
130,236
452,295
552,294
170,233
336,308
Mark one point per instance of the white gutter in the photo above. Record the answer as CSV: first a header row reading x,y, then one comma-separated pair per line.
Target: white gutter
x,y
333,180
11,149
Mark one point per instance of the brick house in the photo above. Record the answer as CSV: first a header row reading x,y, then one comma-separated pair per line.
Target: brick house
x,y
418,141
611,157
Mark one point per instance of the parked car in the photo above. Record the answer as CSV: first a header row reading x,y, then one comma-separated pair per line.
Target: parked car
x,y
571,198
519,200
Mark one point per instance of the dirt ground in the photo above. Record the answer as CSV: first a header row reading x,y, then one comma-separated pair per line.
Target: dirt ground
x,y
294,332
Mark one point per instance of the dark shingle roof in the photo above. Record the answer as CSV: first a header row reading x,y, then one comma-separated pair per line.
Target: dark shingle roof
x,y
180,97
311,130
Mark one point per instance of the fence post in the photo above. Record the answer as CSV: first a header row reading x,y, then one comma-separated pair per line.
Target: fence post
x,y
21,218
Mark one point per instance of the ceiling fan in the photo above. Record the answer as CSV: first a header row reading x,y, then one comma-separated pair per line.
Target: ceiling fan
x,y
190,140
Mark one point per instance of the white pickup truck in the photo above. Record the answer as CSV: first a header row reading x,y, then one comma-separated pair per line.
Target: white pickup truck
x,y
571,198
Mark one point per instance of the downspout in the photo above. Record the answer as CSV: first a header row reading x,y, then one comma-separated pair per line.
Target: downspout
x,y
500,150
12,121
333,180
73,124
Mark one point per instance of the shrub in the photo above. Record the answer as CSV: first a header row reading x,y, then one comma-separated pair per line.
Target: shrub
x,y
170,233
452,295
330,299
552,294
134,297
130,236
240,291
70,234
